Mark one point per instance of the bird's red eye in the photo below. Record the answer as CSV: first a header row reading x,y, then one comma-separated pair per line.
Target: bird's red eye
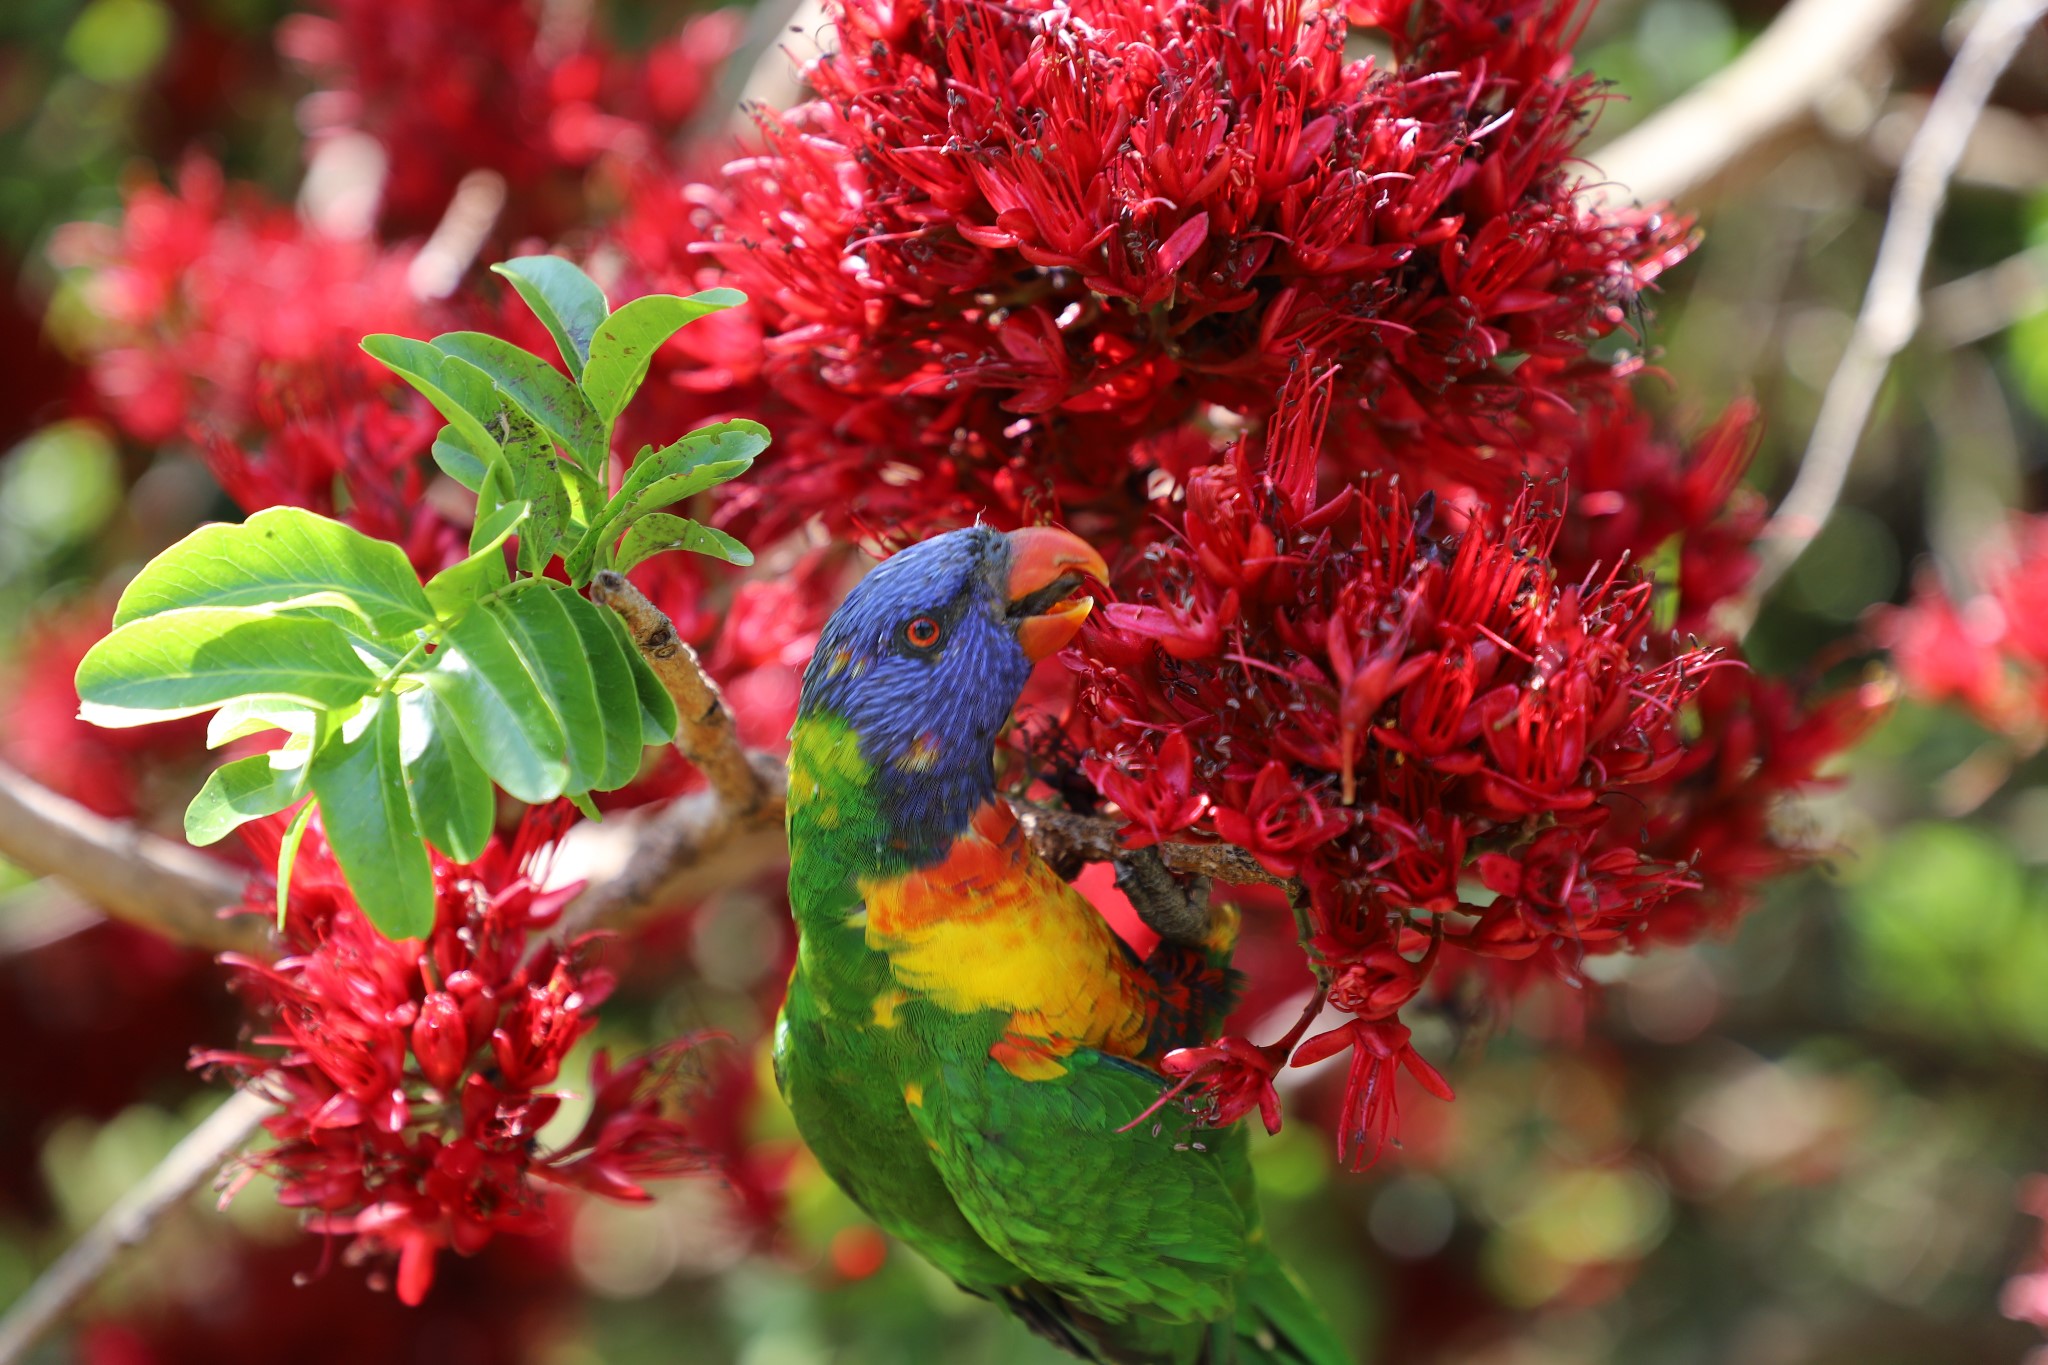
x,y
923,633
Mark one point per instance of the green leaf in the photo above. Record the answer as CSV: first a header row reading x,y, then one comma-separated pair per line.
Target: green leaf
x,y
657,707
565,299
253,715
659,531
498,708
453,391
278,555
452,801
547,640
678,487
456,588
533,471
617,698
536,386
236,793
195,658
288,854
458,461
703,458
625,343
359,779
582,557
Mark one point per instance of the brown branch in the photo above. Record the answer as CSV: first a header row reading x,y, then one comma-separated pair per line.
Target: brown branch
x,y
59,1288
704,725
1061,836
132,875
691,848
1891,303
1764,93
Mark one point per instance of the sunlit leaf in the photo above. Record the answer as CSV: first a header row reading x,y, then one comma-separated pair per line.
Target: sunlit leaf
x,y
195,658
617,698
652,534
456,588
452,800
499,709
244,790
657,707
280,554
540,629
453,392
552,401
359,779
567,301
624,343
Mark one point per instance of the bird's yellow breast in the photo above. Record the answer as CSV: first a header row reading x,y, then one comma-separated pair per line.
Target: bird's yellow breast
x,y
994,928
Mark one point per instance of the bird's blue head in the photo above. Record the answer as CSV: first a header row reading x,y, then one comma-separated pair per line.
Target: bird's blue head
x,y
925,659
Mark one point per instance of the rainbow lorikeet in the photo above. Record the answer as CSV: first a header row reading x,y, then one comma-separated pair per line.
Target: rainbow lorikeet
x,y
966,1041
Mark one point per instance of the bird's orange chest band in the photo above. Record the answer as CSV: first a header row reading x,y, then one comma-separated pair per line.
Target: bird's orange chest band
x,y
992,927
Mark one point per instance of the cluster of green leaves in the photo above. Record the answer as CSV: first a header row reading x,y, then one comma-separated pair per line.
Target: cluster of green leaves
x,y
402,702
520,432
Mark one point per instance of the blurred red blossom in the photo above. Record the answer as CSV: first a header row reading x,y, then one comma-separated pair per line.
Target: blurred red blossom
x,y
414,1077
231,323
526,91
115,772
1987,649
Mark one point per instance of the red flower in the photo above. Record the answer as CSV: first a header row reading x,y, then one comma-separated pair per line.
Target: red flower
x,y
1371,1111
1228,1079
1278,821
409,1073
1988,652
1163,802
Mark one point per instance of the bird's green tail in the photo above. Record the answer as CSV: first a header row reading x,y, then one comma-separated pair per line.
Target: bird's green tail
x,y
1278,1324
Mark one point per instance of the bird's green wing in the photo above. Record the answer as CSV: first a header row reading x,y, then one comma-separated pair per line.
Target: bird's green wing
x,y
1122,1224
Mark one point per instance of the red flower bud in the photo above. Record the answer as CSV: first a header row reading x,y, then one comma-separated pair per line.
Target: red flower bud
x,y
440,1040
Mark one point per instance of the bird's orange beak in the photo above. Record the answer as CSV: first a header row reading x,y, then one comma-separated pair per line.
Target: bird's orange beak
x,y
1047,569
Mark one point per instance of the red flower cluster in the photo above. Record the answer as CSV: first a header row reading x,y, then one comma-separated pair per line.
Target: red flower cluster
x,y
1018,258
1987,651
1426,724
229,322
1184,269
528,92
414,1076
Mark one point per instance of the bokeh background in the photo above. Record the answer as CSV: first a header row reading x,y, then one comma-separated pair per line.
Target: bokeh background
x,y
1801,1145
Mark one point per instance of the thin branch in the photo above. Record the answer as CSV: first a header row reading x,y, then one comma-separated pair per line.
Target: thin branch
x,y
761,71
704,724
1061,836
130,874
1986,302
58,1289
42,913
691,848
1762,94
453,245
1891,304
